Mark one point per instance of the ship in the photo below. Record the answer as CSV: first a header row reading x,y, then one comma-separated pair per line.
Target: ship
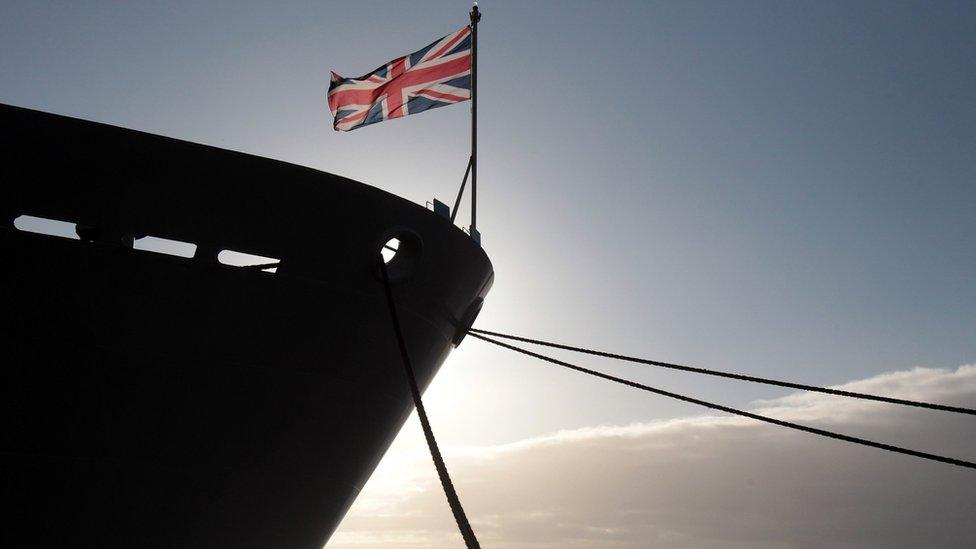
x,y
203,355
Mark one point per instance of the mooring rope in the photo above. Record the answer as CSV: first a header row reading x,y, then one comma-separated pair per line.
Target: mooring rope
x,y
452,498
781,423
740,377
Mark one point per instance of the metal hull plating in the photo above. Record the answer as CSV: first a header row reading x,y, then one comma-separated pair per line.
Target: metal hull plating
x,y
158,401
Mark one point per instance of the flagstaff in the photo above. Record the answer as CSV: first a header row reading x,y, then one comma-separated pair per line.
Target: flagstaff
x,y
475,17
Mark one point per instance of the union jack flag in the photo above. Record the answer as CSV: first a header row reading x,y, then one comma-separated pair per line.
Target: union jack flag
x,y
432,77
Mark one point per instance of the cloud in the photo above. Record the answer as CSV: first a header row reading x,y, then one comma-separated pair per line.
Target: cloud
x,y
705,481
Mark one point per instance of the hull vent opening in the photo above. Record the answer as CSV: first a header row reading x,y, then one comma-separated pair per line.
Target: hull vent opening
x,y
249,261
165,246
43,225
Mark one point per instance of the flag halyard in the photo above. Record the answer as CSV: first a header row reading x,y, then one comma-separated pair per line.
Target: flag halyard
x,y
435,76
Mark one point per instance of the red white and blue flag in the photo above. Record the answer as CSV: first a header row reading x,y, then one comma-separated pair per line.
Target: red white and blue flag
x,y
432,77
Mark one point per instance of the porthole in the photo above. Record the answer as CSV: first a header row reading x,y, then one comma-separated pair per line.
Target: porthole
x,y
401,250
390,248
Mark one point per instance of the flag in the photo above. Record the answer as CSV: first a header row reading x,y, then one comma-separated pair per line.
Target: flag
x,y
432,77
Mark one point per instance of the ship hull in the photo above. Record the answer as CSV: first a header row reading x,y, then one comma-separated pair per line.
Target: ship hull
x,y
158,401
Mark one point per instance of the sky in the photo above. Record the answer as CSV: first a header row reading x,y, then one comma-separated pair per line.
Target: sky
x,y
778,188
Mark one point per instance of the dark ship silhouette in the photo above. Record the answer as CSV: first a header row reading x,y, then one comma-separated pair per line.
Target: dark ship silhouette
x,y
151,400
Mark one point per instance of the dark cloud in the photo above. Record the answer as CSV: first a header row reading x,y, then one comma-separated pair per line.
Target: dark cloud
x,y
708,481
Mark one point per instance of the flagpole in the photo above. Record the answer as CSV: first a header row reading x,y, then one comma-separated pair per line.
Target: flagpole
x,y
475,17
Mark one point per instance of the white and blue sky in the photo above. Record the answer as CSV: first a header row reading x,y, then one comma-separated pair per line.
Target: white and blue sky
x,y
780,188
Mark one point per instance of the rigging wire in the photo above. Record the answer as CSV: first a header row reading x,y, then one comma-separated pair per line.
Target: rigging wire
x,y
743,413
464,181
741,377
452,498
260,267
